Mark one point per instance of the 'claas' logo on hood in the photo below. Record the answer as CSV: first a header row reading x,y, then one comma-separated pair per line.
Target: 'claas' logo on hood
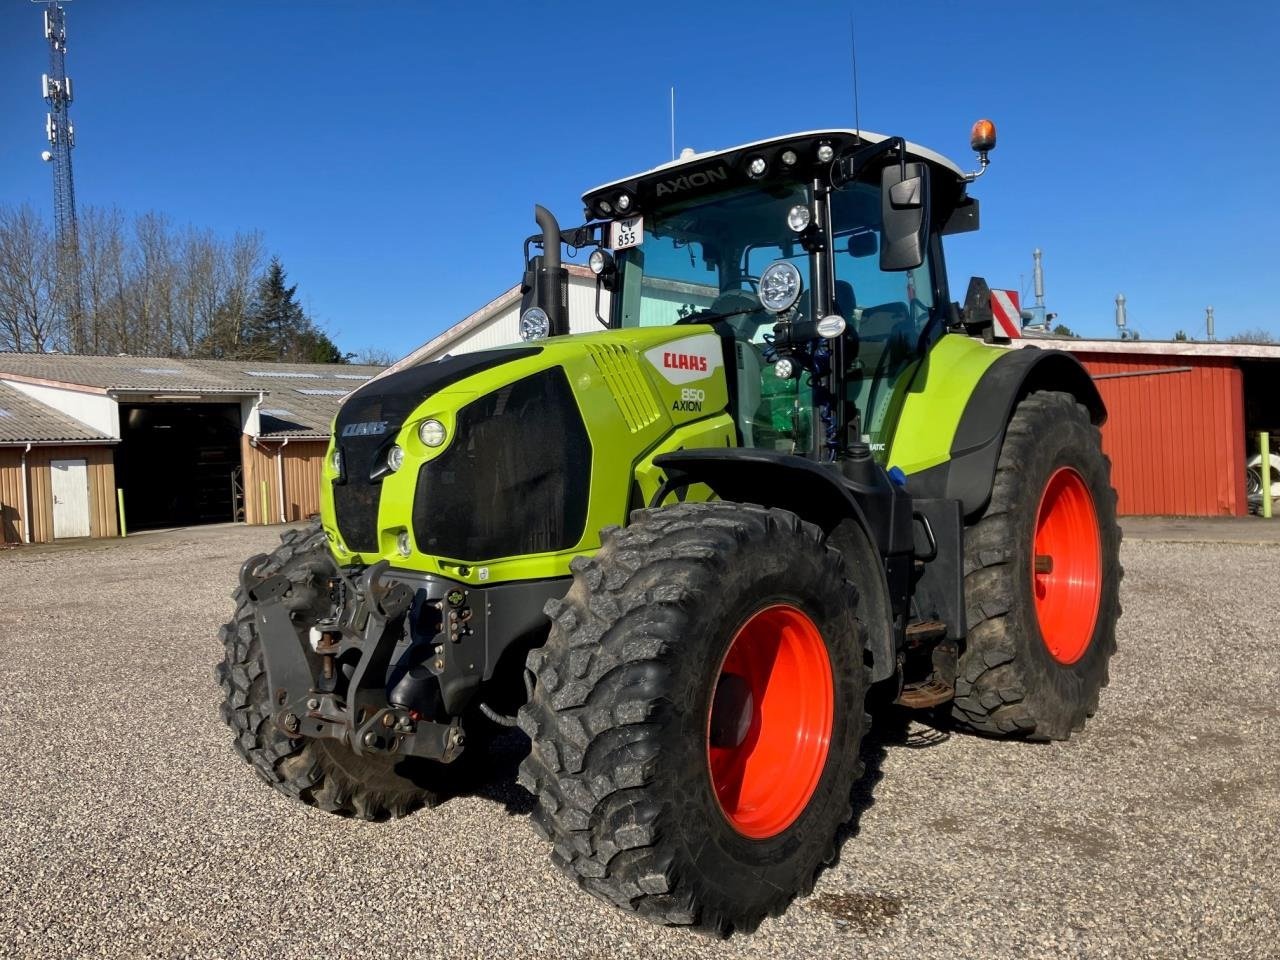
x,y
684,361
371,428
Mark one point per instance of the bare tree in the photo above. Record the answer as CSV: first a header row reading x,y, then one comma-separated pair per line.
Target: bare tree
x,y
374,356
145,286
28,298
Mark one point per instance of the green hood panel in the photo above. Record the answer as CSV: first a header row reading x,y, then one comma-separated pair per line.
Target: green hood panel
x,y
634,390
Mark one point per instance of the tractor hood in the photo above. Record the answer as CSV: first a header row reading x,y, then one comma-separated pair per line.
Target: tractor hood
x,y
503,464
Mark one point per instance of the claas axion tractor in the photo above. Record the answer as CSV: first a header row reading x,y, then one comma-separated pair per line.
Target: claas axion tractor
x,y
681,551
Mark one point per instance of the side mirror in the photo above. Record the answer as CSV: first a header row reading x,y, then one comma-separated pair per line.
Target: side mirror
x,y
863,243
904,207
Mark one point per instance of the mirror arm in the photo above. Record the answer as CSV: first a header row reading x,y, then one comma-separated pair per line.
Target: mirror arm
x,y
848,166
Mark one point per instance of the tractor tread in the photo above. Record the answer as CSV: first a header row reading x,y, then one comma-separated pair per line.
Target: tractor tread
x,y
999,690
602,687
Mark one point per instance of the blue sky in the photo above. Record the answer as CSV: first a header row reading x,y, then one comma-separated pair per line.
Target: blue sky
x,y
392,153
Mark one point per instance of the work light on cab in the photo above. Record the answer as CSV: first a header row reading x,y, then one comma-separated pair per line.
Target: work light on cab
x,y
601,262
798,217
780,286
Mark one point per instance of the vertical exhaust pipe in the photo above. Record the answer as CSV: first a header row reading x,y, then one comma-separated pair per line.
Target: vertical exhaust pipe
x,y
553,285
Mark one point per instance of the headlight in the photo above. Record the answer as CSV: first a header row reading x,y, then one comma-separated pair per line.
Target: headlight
x,y
757,167
534,324
335,461
784,369
798,217
825,153
403,547
623,203
780,286
432,433
788,158
395,458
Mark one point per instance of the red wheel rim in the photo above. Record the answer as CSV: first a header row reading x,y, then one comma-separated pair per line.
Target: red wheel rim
x,y
769,727
1066,569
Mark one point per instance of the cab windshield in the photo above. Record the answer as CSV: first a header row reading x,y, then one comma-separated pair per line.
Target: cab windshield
x,y
700,262
704,258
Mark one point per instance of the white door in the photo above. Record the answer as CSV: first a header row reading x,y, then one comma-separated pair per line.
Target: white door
x,y
70,498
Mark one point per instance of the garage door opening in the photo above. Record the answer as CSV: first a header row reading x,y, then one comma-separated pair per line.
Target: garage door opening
x,y
179,463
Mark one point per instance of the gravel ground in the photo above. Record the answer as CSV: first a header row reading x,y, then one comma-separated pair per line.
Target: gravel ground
x,y
130,828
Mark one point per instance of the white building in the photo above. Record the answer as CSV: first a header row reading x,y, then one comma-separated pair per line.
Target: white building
x,y
497,323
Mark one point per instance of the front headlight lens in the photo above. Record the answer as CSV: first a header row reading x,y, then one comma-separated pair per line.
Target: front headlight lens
x,y
432,433
534,324
335,461
798,217
780,286
757,167
395,458
403,546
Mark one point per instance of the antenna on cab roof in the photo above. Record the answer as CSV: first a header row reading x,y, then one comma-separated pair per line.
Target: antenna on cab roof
x,y
853,57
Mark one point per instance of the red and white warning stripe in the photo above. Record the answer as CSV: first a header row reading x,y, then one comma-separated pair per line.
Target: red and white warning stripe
x,y
1007,313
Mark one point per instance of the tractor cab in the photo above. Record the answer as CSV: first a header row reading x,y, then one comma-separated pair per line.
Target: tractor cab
x,y
817,253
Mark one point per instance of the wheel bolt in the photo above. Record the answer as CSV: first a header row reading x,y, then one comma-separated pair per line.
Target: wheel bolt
x,y
291,722
370,739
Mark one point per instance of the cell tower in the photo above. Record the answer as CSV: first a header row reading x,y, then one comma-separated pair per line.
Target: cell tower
x,y
56,86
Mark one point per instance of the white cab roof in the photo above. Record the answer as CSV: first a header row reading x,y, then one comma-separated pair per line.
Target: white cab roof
x,y
867,136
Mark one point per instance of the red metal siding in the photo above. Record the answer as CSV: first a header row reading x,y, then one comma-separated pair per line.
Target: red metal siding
x,y
1176,440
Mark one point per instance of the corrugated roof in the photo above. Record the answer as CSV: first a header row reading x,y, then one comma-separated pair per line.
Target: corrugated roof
x,y
24,420
310,392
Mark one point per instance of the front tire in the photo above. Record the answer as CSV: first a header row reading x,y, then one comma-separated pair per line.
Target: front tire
x,y
698,714
1042,577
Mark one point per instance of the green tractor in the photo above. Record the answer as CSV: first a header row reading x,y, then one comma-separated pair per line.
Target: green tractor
x,y
681,552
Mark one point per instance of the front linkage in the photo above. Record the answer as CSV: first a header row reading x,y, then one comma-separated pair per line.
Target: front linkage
x,y
361,676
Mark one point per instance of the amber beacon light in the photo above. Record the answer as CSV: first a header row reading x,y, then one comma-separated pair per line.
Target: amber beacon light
x,y
982,138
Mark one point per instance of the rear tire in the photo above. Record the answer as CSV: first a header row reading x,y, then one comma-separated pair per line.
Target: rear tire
x,y
319,773
1035,668
625,739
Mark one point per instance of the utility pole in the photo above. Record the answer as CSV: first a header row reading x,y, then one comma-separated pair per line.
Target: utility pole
x,y
56,86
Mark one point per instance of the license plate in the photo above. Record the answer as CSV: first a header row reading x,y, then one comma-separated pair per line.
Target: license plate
x,y
626,233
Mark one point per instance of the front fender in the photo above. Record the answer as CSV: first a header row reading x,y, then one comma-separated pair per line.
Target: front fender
x,y
820,495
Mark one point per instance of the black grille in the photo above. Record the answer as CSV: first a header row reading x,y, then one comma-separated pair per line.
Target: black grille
x,y
355,501
514,481
374,414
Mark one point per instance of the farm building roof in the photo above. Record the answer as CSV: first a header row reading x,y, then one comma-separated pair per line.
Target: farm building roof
x,y
24,420
298,399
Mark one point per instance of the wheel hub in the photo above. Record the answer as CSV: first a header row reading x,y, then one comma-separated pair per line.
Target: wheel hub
x,y
1066,568
770,722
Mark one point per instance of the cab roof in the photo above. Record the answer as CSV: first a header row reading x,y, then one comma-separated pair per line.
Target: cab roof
x,y
691,171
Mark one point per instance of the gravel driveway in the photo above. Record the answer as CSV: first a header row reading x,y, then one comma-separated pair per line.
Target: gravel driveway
x,y
128,827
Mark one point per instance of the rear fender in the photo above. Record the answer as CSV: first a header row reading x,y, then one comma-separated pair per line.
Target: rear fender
x,y
970,472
